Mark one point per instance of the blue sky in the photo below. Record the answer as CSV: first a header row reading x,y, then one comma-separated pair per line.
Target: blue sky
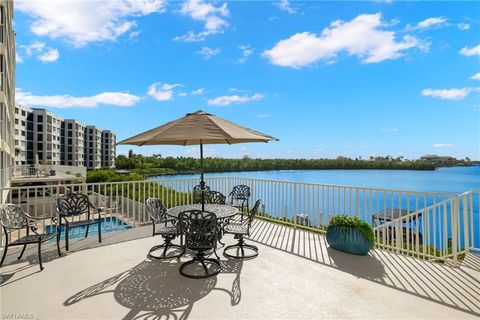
x,y
326,78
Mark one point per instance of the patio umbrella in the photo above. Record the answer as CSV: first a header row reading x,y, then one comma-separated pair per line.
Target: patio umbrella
x,y
198,128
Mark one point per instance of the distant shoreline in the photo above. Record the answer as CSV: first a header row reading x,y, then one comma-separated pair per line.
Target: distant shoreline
x,y
396,169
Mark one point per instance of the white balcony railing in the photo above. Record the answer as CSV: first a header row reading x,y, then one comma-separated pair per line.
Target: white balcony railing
x,y
437,226
46,170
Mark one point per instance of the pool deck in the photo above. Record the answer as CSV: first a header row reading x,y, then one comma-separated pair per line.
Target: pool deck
x,y
295,276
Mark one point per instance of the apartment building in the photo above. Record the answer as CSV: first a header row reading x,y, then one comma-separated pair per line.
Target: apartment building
x,y
7,95
73,143
23,134
108,149
93,147
46,136
56,141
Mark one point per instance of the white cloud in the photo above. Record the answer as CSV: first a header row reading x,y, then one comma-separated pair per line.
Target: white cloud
x,y
208,53
443,145
213,18
362,37
476,76
247,51
163,92
83,22
236,90
68,101
285,6
448,94
182,94
463,26
262,116
474,51
133,34
234,99
49,56
198,91
40,50
18,58
428,23
389,130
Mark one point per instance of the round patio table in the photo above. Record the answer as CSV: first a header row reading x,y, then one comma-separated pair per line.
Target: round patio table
x,y
222,211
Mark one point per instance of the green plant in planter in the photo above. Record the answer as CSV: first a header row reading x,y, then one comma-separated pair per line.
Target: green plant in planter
x,y
350,234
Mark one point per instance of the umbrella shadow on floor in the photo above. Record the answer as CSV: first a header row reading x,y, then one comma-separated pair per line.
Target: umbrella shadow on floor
x,y
154,289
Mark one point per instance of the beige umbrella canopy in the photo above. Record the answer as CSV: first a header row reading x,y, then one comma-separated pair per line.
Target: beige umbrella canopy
x,y
198,128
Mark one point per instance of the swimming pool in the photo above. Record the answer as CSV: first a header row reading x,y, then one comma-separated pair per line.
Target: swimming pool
x,y
108,224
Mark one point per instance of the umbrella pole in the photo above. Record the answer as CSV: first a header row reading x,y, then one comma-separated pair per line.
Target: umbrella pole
x,y
202,182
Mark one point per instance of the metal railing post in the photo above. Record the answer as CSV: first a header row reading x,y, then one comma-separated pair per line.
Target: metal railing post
x,y
455,216
295,206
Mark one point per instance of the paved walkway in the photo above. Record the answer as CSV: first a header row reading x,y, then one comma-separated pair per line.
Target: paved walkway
x,y
296,276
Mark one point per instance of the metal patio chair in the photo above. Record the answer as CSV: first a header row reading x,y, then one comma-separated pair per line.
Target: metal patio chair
x,y
13,218
197,193
73,205
215,197
239,197
158,215
201,234
241,230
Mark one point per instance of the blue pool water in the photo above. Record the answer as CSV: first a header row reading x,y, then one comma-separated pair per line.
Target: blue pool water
x,y
109,224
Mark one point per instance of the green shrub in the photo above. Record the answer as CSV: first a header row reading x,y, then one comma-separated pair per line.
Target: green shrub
x,y
354,222
96,176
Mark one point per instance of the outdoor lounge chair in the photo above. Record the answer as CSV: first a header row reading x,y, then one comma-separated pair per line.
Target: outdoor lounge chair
x,y
241,230
13,218
73,205
201,235
158,215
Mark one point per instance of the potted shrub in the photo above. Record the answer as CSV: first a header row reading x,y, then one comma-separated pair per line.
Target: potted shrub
x,y
350,234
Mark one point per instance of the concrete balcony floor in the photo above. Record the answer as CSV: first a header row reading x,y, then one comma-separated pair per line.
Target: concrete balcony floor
x,y
295,276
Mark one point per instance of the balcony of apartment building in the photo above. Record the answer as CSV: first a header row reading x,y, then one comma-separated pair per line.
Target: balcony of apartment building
x,y
54,173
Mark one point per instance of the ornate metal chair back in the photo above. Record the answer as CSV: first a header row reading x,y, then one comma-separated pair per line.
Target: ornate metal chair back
x,y
200,229
156,209
240,192
197,193
215,197
252,213
12,217
73,204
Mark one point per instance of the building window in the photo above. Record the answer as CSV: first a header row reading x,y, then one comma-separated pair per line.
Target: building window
x,y
2,24
2,75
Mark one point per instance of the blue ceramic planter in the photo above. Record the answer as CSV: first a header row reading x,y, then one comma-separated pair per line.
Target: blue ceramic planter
x,y
348,240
